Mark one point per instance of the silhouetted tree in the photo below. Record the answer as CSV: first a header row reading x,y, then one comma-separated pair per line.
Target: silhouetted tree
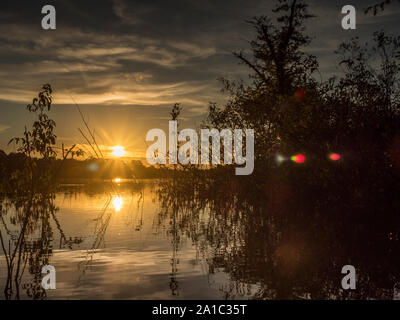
x,y
41,139
378,7
281,80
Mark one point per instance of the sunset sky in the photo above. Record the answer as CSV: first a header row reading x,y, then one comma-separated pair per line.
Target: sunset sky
x,y
126,62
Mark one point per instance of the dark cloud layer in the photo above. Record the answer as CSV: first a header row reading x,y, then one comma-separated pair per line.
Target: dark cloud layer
x,y
126,61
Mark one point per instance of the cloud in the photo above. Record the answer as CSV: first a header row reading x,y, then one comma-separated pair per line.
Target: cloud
x,y
128,14
4,127
135,55
98,69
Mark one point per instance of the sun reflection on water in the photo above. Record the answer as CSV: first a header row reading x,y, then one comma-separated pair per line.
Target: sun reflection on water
x,y
117,203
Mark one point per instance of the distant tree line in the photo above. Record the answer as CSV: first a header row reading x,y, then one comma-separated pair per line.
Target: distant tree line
x,y
73,169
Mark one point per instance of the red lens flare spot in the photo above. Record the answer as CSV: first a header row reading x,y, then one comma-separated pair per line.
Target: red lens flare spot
x,y
300,94
334,156
298,158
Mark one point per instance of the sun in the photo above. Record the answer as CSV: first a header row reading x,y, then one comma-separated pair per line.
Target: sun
x,y
118,151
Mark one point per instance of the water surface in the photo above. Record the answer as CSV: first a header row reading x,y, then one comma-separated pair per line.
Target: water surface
x,y
118,247
166,240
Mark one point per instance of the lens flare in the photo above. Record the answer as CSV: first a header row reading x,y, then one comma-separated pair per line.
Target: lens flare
x,y
93,167
334,156
300,94
117,180
298,158
279,159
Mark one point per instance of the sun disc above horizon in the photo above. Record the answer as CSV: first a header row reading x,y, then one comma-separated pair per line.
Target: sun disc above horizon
x,y
118,151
